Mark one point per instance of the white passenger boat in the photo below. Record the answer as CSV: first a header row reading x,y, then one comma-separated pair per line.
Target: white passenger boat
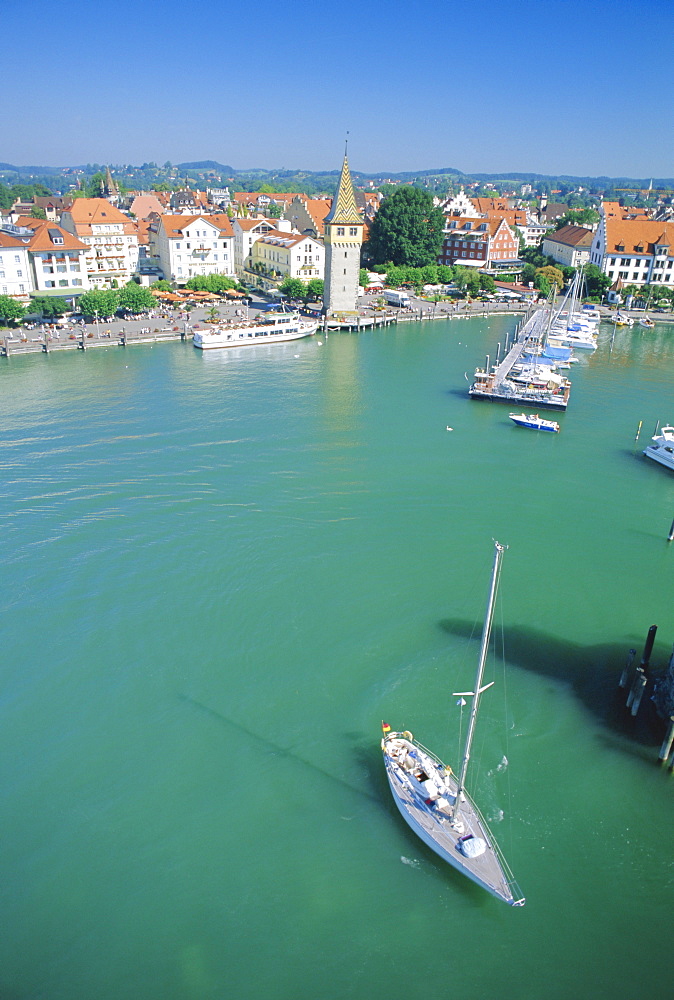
x,y
434,801
274,328
534,422
662,448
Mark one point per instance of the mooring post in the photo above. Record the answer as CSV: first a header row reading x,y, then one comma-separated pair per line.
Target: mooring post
x,y
648,648
670,536
635,687
666,747
628,663
641,682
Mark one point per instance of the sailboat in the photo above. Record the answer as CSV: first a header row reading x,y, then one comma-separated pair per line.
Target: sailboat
x,y
434,801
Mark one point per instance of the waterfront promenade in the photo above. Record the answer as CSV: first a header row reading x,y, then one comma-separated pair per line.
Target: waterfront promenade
x,y
173,324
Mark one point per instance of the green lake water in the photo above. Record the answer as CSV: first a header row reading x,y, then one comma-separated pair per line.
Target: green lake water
x,y
221,571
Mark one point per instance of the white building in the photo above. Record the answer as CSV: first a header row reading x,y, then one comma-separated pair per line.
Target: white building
x,y
192,245
636,251
58,260
246,232
111,239
569,246
288,255
15,277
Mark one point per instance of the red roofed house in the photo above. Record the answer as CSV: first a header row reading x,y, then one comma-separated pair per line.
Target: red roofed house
x,y
479,242
192,245
58,260
288,255
569,246
636,251
111,239
246,232
15,277
306,215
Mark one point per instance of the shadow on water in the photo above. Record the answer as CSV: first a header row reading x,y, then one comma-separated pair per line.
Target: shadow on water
x,y
277,750
592,673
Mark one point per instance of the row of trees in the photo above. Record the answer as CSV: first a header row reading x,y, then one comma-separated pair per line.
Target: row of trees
x,y
99,302
463,278
309,291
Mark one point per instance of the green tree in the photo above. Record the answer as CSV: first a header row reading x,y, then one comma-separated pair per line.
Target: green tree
x,y
578,217
407,229
211,283
395,276
315,289
596,282
294,288
553,276
472,283
10,310
37,213
363,278
487,283
161,286
98,302
528,274
135,298
48,307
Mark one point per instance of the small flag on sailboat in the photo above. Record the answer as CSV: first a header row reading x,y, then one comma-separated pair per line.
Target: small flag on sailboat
x,y
385,728
462,702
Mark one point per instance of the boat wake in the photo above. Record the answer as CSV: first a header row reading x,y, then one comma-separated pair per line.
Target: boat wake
x,y
412,862
501,766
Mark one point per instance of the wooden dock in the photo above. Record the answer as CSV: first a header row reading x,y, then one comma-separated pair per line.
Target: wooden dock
x,y
494,384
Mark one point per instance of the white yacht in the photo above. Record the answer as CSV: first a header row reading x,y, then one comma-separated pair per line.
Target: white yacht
x,y
274,328
662,448
435,802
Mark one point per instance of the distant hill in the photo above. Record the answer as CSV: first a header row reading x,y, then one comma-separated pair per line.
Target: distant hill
x,y
207,165
316,183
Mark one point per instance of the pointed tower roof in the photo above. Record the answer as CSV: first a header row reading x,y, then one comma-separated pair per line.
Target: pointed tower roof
x,y
344,210
110,186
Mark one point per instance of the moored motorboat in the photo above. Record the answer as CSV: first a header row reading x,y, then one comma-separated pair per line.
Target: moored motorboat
x,y
534,422
647,322
274,328
662,447
621,320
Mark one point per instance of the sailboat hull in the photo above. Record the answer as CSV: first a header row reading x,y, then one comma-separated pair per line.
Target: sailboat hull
x,y
424,792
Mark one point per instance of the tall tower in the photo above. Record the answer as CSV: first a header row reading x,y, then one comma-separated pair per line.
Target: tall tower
x,y
343,240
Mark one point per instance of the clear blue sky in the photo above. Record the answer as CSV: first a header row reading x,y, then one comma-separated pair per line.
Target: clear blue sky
x,y
573,87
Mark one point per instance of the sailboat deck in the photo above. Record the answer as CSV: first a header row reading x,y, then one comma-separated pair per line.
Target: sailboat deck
x,y
489,869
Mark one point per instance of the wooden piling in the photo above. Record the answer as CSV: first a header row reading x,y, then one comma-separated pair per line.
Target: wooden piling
x,y
628,663
670,536
633,687
666,747
648,647
640,686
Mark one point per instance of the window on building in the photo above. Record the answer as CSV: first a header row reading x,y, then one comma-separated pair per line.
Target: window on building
x,y
353,231
50,284
340,230
17,259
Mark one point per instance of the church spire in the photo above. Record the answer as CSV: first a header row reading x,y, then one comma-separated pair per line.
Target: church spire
x,y
344,210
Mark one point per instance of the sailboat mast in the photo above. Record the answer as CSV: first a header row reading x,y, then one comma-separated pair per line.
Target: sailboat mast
x,y
484,649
